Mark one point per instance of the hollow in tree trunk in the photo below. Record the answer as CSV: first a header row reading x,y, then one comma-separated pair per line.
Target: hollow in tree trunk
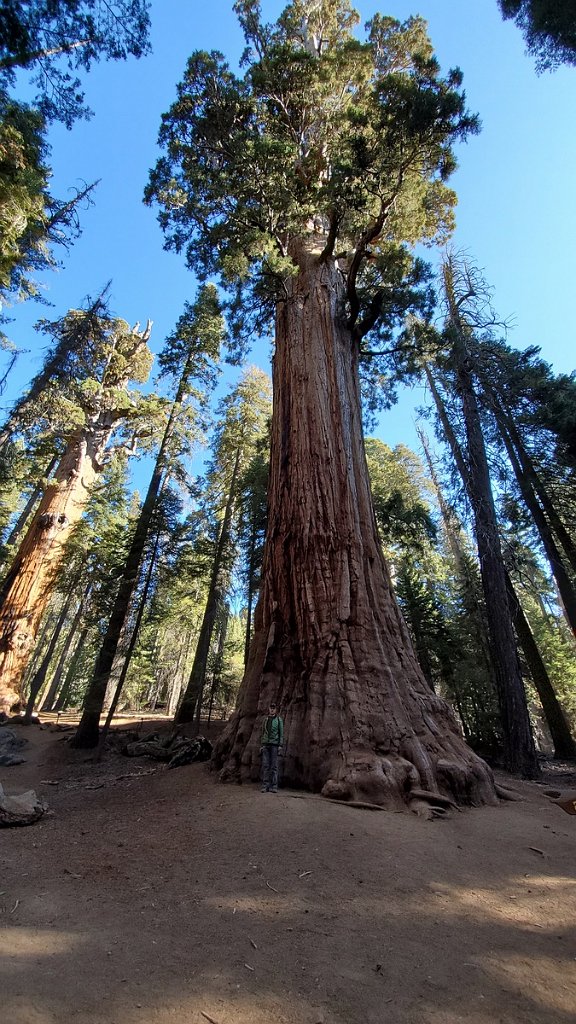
x,y
330,644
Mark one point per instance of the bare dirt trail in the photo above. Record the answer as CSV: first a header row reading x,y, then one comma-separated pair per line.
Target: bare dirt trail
x,y
169,899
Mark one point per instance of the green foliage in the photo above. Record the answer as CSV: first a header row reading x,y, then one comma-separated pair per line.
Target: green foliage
x,y
421,606
236,475
190,361
549,28
253,516
12,474
23,186
325,138
97,545
438,585
32,222
172,622
52,39
92,359
397,480
558,651
225,664
538,597
243,417
542,403
192,352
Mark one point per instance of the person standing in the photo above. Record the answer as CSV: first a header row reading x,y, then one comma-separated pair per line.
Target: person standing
x,y
272,739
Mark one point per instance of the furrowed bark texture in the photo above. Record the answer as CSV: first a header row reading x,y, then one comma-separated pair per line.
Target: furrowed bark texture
x,y
31,577
330,644
519,749
564,746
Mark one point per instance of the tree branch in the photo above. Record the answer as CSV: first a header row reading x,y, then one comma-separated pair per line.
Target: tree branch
x,y
328,249
368,236
23,60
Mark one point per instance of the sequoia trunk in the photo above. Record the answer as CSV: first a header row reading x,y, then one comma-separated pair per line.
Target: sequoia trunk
x,y
31,576
329,643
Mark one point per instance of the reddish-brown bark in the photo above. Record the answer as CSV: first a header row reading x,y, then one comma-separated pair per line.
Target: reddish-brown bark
x,y
31,576
330,644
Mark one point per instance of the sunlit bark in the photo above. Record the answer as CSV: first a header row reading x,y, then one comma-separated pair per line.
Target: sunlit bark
x,y
330,644
32,574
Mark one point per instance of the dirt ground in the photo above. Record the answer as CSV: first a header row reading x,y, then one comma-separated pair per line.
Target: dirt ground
x,y
150,896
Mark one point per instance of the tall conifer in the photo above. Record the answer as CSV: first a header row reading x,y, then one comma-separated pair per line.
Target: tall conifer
x,y
299,184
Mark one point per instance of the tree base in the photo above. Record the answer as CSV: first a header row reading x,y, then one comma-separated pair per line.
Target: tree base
x,y
10,701
87,735
393,781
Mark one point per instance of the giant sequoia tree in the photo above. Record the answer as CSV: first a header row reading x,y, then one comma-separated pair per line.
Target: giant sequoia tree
x,y
189,356
298,184
89,408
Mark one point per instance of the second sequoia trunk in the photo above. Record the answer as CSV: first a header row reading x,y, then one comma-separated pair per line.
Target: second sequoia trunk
x,y
330,644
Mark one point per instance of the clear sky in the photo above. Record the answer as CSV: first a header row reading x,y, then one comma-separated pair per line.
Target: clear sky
x,y
517,206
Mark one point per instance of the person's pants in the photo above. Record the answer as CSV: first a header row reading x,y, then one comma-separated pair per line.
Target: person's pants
x,y
270,766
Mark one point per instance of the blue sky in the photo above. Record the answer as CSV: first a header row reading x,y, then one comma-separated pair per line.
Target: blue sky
x,y
516,214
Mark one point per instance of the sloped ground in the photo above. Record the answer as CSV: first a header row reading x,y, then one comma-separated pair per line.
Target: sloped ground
x,y
165,898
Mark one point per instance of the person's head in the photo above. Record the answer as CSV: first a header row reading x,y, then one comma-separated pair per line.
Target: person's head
x,y
272,707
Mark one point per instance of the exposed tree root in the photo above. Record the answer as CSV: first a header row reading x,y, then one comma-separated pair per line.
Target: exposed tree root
x,y
507,794
363,805
566,799
436,799
427,810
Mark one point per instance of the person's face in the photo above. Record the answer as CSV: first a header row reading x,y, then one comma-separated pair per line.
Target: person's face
x,y
272,709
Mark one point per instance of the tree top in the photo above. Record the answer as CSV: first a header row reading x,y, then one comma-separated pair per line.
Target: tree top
x,y
324,139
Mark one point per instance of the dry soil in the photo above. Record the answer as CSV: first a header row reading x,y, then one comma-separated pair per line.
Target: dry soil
x,y
150,896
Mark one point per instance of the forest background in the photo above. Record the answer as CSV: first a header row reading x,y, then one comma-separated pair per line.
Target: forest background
x,y
515,214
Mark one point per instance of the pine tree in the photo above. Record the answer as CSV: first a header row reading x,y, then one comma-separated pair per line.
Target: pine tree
x,y
508,381
244,417
469,675
252,527
33,223
463,299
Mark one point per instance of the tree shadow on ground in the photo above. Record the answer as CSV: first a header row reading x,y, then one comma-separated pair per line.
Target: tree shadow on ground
x,y
166,898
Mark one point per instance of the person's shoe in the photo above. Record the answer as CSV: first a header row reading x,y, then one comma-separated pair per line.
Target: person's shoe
x,y
263,789
273,790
